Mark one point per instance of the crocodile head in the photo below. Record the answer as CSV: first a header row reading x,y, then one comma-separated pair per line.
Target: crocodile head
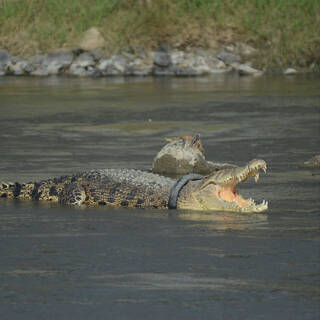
x,y
218,191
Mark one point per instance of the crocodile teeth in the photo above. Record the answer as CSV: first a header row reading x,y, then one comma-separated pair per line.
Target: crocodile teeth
x,y
264,203
251,200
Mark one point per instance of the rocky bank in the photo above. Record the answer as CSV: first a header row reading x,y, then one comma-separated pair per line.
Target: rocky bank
x,y
162,62
89,61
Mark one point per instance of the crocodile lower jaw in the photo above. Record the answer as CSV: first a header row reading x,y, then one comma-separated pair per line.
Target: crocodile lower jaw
x,y
231,200
228,195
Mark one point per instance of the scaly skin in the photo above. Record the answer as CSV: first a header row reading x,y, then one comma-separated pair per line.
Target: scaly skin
x,y
138,189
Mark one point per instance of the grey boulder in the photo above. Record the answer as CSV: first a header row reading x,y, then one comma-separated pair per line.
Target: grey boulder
x,y
4,61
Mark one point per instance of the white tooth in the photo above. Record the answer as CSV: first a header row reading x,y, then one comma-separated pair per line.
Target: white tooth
x,y
256,177
265,170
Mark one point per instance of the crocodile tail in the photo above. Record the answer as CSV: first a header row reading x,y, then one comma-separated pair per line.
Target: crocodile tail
x,y
15,190
10,189
43,190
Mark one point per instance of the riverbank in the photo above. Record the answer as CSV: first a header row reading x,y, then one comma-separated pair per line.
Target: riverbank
x,y
162,62
283,33
165,61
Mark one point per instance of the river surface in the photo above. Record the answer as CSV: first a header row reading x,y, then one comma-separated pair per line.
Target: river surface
x,y
59,262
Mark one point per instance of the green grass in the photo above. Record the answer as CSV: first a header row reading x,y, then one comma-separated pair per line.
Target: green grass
x,y
286,32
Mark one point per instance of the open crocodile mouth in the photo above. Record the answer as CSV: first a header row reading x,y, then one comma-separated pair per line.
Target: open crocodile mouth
x,y
224,185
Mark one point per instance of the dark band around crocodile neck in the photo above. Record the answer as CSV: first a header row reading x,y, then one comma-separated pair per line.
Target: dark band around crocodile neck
x,y
179,184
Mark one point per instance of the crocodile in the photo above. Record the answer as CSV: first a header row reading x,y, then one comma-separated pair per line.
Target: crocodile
x,y
182,155
141,189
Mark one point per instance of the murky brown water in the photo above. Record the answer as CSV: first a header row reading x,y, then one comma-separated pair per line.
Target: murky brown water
x,y
66,263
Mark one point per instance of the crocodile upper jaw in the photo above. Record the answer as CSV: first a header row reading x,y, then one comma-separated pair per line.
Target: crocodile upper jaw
x,y
222,186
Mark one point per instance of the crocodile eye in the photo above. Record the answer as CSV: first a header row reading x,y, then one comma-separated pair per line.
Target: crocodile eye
x,y
207,183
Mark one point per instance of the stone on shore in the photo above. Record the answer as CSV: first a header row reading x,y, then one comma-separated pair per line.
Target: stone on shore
x,y
246,70
245,51
199,62
84,60
89,60
290,71
82,64
140,67
162,63
116,65
20,67
54,63
162,59
228,58
92,40
4,61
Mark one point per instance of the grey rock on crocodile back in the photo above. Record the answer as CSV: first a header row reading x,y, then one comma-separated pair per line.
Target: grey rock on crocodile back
x,y
184,155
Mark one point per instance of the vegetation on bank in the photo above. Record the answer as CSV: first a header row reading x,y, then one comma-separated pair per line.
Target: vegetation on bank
x,y
286,32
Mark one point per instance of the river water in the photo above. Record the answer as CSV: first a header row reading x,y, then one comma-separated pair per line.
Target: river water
x,y
67,263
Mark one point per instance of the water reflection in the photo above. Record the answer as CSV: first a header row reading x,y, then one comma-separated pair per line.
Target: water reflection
x,y
225,220
190,281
